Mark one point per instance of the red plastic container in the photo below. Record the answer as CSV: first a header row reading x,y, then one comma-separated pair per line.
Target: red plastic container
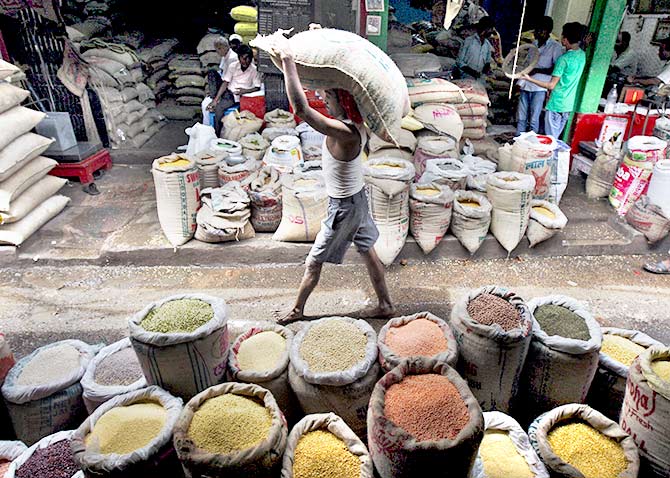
x,y
255,104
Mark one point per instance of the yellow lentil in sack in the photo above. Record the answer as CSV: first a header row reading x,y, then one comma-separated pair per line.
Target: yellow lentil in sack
x,y
177,163
123,430
662,369
500,457
621,349
320,454
594,454
229,423
428,191
466,203
545,212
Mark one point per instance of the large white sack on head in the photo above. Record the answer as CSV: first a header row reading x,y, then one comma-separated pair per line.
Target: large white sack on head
x,y
177,196
430,213
440,118
328,58
17,121
304,207
20,152
510,195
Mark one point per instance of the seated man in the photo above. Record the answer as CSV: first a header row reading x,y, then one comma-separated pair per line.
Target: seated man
x,y
474,58
626,58
240,79
663,78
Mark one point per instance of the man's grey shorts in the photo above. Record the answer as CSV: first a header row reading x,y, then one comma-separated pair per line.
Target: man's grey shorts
x,y
348,221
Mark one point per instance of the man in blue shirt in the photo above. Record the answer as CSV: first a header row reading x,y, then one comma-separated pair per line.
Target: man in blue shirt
x,y
532,98
474,58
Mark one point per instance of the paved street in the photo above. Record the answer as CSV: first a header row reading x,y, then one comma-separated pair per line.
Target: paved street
x,y
44,304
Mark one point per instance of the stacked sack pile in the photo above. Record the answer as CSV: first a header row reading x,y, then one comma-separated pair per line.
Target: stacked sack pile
x,y
247,22
188,81
88,19
28,195
497,390
128,104
209,58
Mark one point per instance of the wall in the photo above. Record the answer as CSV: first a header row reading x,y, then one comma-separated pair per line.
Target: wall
x,y
642,28
565,11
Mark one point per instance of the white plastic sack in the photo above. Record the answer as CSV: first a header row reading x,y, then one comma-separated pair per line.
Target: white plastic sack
x,y
328,58
11,96
497,421
309,136
478,172
335,425
265,192
270,134
31,198
183,363
440,118
17,121
37,411
345,392
510,195
96,394
241,173
7,69
46,441
387,183
541,227
254,146
199,138
431,146
448,171
430,214
470,223
11,450
139,461
304,207
279,118
177,197
18,232
237,125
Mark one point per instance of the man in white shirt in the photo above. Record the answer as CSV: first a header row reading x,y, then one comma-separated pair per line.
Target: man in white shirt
x,y
663,78
474,58
532,98
228,57
626,58
240,79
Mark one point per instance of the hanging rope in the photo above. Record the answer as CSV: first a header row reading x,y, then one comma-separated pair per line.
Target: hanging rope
x,y
516,52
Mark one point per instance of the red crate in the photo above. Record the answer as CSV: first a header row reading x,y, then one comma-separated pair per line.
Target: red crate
x,y
255,104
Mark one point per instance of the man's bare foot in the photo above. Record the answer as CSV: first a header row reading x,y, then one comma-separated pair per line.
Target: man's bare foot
x,y
380,312
294,316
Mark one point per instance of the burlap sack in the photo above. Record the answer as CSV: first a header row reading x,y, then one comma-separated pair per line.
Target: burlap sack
x,y
599,182
541,227
335,425
18,232
11,96
609,384
260,461
20,152
279,118
254,146
430,215
38,411
346,392
540,428
510,195
558,370
276,380
432,146
22,179
441,119
396,454
157,458
390,360
490,359
646,413
183,363
648,219
304,207
31,198
237,125
470,225
265,192
448,171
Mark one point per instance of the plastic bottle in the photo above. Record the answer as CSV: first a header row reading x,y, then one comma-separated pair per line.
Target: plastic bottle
x,y
612,99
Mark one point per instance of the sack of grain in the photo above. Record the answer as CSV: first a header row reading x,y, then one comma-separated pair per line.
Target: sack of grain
x,y
224,215
7,69
493,329
649,219
486,148
474,92
241,173
440,118
646,410
234,430
130,435
506,451
309,136
260,355
421,416
11,96
20,152
575,440
406,141
510,195
322,444
387,183
254,146
476,133
50,456
473,121
620,348
32,198
328,58
479,170
430,205
266,200
185,349
532,154
18,232
237,125
563,355
334,368
177,183
279,118
42,391
546,219
304,207
10,451
450,172
115,370
195,81
431,146
270,134
418,335
208,169
600,179
434,90
470,219
471,110
17,121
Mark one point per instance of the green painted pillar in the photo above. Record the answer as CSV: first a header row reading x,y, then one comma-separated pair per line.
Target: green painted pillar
x,y
381,39
605,24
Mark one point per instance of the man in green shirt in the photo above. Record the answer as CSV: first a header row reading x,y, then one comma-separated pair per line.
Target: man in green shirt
x,y
564,80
